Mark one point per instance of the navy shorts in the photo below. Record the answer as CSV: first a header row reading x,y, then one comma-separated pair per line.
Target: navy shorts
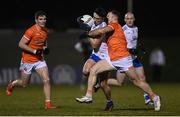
x,y
137,63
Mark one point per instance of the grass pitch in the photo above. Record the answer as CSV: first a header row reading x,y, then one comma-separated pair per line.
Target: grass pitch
x,y
128,101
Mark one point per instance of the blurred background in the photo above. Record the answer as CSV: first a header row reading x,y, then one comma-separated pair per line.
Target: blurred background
x,y
157,22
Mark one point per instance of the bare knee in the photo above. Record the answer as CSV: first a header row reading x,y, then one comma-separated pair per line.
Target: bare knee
x,y
93,72
24,84
142,77
86,72
103,84
46,81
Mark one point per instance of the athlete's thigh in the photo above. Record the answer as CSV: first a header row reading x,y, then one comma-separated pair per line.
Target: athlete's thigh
x,y
120,76
102,66
25,77
88,64
43,72
140,72
131,73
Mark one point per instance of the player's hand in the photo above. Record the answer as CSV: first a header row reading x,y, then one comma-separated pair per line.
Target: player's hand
x,y
38,52
46,51
82,25
79,19
133,51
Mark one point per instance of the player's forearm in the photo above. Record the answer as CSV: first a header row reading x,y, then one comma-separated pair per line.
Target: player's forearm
x,y
26,48
94,33
95,43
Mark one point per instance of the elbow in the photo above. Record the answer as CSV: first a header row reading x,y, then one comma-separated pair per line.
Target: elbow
x,y
19,45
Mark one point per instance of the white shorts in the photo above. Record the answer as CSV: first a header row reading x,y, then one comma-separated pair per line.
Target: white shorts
x,y
28,67
123,64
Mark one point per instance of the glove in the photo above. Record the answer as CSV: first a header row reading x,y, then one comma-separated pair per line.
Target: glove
x,y
38,52
46,51
133,51
79,19
85,27
82,25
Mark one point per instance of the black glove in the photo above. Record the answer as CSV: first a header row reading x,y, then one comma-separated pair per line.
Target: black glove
x,y
141,49
38,52
79,19
133,51
82,25
46,51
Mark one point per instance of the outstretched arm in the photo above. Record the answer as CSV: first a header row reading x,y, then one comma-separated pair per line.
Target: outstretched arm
x,y
100,31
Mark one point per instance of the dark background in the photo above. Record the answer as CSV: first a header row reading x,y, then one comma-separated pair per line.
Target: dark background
x,y
154,17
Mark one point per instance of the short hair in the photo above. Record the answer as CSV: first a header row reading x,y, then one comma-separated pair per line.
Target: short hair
x,y
116,13
39,13
129,13
101,12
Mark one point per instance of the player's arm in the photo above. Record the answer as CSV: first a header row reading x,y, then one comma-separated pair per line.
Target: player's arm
x,y
46,50
95,43
100,31
23,44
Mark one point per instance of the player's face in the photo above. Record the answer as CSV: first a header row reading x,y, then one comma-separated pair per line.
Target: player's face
x,y
41,21
110,17
97,19
129,19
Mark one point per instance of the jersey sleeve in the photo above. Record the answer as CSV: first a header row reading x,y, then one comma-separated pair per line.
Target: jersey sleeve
x,y
28,34
128,35
112,25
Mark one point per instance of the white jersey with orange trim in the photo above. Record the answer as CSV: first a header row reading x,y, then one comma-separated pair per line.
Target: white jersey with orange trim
x,y
131,34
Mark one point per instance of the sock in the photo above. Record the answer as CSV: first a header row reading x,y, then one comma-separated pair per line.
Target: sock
x,y
89,93
47,100
109,101
14,82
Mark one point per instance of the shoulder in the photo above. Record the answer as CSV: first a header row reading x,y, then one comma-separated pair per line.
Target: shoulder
x,y
113,25
135,27
30,29
46,30
125,27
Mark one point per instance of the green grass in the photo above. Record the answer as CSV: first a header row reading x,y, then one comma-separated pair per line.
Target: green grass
x,y
128,100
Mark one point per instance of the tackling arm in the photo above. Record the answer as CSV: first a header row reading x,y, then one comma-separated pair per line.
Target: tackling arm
x,y
100,31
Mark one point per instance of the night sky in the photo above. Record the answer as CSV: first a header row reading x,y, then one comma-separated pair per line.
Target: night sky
x,y
152,16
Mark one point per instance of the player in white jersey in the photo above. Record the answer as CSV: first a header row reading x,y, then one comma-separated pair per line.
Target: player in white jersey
x,y
131,34
99,52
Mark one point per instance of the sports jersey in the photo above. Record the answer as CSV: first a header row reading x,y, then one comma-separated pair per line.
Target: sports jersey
x,y
131,34
37,38
117,45
103,51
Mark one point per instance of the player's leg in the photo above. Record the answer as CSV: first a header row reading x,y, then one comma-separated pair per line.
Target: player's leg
x,y
107,92
141,75
86,68
88,64
23,82
118,80
42,70
131,73
99,67
26,70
